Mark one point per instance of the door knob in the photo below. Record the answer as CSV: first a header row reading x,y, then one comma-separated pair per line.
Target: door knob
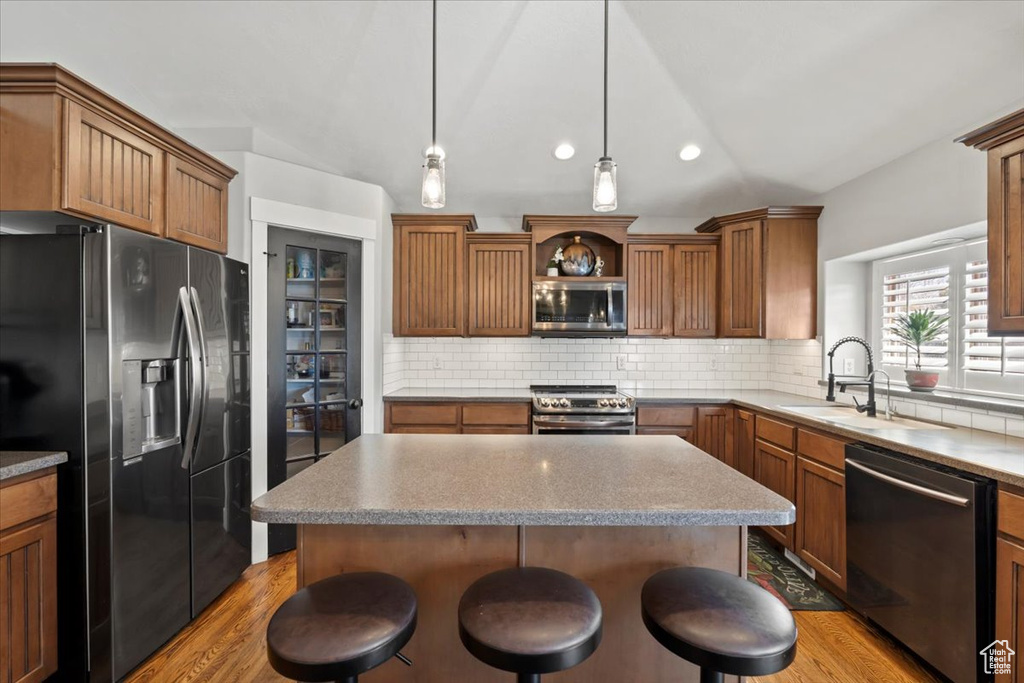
x,y
355,403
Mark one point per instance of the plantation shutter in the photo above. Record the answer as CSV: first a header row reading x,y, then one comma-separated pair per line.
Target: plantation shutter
x,y
914,290
995,356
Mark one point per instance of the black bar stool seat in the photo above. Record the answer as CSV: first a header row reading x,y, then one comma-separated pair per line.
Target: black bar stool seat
x,y
720,622
530,621
342,626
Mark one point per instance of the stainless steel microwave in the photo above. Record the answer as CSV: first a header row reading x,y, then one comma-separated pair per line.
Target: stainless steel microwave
x,y
579,309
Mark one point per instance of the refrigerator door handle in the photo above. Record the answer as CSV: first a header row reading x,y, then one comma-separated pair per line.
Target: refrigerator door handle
x,y
195,364
197,311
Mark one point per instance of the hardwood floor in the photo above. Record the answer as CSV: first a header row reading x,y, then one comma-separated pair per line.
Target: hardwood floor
x,y
226,643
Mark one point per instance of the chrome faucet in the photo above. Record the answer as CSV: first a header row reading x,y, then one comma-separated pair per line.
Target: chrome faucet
x,y
868,381
889,409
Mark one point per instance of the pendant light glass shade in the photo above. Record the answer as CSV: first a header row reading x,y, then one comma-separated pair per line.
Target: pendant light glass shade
x,y
433,182
606,195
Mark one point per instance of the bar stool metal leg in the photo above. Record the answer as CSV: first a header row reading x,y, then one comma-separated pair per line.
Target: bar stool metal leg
x,y
528,678
709,676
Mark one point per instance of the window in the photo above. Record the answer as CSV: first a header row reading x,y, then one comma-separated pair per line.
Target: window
x,y
952,281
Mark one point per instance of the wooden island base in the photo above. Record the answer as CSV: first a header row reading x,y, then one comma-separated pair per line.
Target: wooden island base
x,y
440,562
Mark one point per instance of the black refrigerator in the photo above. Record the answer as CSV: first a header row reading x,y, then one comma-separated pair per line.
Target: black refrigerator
x,y
131,353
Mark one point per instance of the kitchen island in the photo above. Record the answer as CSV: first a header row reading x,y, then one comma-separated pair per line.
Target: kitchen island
x,y
441,511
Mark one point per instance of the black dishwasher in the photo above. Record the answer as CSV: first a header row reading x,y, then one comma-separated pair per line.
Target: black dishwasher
x,y
920,551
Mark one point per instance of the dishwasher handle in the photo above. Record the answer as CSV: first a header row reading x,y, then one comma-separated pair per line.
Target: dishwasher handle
x,y
959,501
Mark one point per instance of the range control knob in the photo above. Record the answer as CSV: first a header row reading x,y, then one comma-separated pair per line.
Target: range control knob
x,y
565,403
602,403
544,403
615,403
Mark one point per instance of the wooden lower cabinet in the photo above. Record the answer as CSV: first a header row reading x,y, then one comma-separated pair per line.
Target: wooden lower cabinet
x,y
714,433
821,519
743,442
28,577
1010,580
448,417
774,468
685,433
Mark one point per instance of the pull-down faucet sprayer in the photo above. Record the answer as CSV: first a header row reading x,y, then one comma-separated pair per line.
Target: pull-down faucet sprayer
x,y
868,381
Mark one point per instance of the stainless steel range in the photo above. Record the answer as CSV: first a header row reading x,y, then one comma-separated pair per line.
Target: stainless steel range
x,y
582,409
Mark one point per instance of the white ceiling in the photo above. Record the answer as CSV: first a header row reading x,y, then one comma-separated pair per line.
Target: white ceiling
x,y
787,99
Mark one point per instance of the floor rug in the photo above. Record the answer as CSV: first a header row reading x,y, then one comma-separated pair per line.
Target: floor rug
x,y
772,571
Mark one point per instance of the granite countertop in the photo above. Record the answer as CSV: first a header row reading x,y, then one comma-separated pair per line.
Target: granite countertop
x,y
460,395
971,450
15,463
427,479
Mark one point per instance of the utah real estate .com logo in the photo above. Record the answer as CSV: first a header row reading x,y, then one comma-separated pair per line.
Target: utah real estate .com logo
x,y
997,656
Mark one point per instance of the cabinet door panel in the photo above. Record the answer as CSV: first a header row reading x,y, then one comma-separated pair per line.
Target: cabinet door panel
x,y
429,280
197,206
499,289
425,414
649,306
1006,239
821,519
714,433
774,469
111,173
1010,603
744,442
742,274
510,414
695,281
28,609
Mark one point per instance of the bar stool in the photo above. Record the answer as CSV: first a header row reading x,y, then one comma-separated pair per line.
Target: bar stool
x,y
722,623
530,621
342,626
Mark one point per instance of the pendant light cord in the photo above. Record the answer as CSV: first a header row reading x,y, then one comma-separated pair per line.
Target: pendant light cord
x,y
433,85
605,77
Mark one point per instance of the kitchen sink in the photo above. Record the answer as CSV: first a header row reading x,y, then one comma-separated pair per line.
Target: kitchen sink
x,y
848,417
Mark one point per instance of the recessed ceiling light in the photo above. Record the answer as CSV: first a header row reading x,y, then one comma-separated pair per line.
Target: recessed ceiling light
x,y
564,151
949,240
430,149
689,153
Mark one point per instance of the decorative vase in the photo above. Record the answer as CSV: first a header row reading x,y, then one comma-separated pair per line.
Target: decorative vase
x,y
553,272
578,259
921,380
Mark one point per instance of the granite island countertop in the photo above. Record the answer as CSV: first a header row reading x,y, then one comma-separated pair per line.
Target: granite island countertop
x,y
16,463
988,454
427,479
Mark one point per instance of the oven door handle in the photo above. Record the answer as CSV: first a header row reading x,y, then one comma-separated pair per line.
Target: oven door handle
x,y
582,424
922,490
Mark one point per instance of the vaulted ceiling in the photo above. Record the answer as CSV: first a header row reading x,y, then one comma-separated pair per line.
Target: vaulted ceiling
x,y
786,99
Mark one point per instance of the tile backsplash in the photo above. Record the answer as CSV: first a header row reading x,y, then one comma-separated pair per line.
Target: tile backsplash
x,y
716,364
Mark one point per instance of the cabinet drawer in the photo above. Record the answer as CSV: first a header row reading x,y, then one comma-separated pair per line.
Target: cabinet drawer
x,y
496,414
425,429
425,414
823,449
494,429
778,433
24,499
665,416
1010,513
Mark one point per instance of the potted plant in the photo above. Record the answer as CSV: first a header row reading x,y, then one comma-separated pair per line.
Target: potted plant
x,y
557,258
915,330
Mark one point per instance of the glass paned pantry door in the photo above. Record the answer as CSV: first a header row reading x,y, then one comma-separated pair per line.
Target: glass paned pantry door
x,y
315,391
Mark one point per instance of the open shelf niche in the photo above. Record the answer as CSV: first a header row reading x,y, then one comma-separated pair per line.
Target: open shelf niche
x,y
606,235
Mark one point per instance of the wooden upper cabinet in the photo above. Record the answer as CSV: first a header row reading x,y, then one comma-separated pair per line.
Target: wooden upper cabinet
x,y
111,173
67,146
695,284
768,272
649,301
1004,142
429,277
197,206
742,280
498,280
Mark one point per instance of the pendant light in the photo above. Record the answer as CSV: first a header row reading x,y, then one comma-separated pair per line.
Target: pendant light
x,y
432,194
605,191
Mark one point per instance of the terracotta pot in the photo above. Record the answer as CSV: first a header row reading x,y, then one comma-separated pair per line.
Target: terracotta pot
x,y
921,380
